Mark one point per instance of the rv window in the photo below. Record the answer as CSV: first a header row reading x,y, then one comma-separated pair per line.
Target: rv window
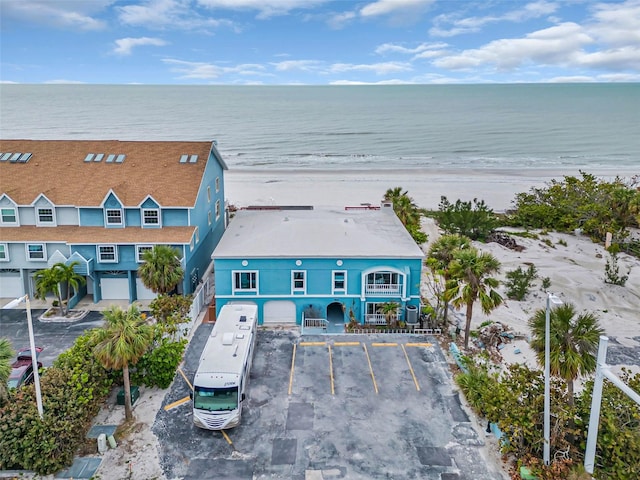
x,y
215,399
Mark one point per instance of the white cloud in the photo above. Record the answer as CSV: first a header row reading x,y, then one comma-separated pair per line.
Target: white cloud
x,y
168,14
210,71
63,14
265,8
423,47
303,65
124,46
617,24
393,7
376,68
474,24
63,82
572,79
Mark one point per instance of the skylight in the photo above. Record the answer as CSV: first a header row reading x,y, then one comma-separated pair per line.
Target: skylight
x,y
5,156
110,158
89,157
99,157
193,159
183,158
120,158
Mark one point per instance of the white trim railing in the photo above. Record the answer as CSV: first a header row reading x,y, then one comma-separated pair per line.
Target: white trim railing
x,y
383,289
379,319
315,323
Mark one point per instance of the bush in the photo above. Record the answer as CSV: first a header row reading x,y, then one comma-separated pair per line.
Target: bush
x,y
471,219
519,282
158,366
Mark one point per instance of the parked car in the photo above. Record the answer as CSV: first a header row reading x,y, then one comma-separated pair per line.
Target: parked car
x,y
22,368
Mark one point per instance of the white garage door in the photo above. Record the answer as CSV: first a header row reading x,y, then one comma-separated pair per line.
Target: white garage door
x,y
280,311
142,292
10,285
115,288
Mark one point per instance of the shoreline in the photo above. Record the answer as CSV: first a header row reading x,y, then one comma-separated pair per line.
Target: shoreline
x,y
351,187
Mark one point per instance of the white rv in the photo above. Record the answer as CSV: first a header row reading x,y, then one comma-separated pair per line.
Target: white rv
x,y
223,373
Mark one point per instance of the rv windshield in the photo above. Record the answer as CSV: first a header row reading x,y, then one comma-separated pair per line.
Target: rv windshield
x,y
215,399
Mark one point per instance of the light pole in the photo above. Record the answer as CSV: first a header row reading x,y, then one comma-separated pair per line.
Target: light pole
x,y
551,298
34,358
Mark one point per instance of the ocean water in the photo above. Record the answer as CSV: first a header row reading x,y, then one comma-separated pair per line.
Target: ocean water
x,y
512,127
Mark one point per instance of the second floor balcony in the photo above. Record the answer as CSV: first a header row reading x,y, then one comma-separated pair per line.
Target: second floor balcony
x,y
383,289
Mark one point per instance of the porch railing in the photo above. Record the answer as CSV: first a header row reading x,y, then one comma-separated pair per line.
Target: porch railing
x,y
379,319
315,323
383,289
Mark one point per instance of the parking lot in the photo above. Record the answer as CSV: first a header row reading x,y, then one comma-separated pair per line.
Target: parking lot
x,y
356,407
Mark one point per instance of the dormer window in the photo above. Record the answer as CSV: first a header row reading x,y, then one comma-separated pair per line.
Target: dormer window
x,y
114,216
151,217
45,216
8,216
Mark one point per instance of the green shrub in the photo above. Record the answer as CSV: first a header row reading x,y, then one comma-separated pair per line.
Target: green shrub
x,y
470,219
546,283
158,366
519,282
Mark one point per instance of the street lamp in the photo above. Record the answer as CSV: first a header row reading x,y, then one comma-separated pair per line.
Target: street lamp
x,y
34,358
551,298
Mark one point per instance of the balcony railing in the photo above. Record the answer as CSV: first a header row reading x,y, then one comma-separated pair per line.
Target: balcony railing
x,y
383,289
379,319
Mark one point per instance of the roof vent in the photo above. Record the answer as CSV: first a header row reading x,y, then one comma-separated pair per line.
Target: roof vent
x,y
227,338
243,318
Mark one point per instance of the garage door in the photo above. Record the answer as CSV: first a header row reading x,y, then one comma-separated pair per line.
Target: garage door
x,y
280,311
10,284
142,292
115,288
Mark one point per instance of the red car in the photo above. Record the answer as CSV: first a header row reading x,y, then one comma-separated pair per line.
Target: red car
x,y
22,368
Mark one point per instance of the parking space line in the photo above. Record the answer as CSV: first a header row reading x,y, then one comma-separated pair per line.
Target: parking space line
x,y
373,377
226,437
333,391
346,344
293,362
415,380
418,344
313,344
185,378
384,344
177,403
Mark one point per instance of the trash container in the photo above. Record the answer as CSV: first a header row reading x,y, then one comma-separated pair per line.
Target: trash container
x,y
412,315
135,394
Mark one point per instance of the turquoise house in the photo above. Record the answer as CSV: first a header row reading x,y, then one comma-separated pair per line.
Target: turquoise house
x,y
102,204
337,265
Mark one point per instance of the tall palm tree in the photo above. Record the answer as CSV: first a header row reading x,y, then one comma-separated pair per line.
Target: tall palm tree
x,y
403,205
67,275
440,256
470,280
48,281
573,342
121,342
161,271
6,355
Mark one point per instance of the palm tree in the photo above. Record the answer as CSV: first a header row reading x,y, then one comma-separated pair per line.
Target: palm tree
x,y
440,256
6,355
51,279
470,281
573,342
403,206
389,310
162,270
121,342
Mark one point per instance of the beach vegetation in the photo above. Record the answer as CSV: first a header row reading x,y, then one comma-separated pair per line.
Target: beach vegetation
x,y
407,212
6,355
594,206
439,257
53,279
612,268
471,280
562,242
573,341
473,219
545,283
519,282
121,343
161,270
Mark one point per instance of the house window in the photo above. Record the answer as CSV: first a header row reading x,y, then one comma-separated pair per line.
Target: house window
x,y
217,209
114,216
45,215
209,217
217,184
197,235
107,254
339,281
36,251
4,252
298,280
208,194
8,215
151,216
245,281
140,249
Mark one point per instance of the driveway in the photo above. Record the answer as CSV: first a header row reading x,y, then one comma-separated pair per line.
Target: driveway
x,y
354,407
55,337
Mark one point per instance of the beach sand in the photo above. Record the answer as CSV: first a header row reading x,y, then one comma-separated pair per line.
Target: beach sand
x,y
576,272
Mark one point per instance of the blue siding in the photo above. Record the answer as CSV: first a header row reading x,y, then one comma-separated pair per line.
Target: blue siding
x,y
175,217
132,217
91,217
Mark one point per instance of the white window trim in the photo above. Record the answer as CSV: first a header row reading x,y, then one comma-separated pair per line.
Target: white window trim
x,y
140,252
157,210
335,290
44,252
197,235
106,217
302,289
15,214
39,222
5,249
209,217
208,193
217,210
217,184
244,290
115,253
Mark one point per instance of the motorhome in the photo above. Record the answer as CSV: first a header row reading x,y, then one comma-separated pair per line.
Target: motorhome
x,y
220,383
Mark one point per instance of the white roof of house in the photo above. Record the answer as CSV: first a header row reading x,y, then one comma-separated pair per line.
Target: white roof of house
x,y
316,233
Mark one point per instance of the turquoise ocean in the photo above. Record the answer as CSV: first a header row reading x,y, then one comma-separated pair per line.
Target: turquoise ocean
x,y
506,127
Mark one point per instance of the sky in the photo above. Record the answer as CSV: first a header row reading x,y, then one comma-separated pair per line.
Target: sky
x,y
318,42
